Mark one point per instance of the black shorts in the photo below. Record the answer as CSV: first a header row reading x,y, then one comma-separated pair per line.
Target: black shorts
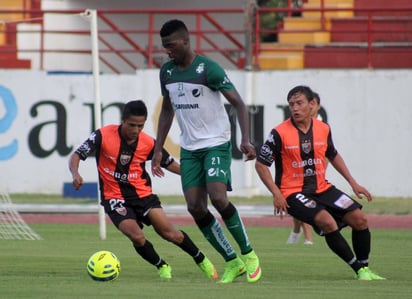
x,y
305,206
138,209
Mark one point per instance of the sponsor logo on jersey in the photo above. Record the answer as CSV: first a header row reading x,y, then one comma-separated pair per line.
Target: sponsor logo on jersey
x,y
123,177
212,172
197,92
265,150
308,162
343,201
185,106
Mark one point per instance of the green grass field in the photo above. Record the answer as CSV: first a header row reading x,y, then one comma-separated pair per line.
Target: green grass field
x,y
55,267
379,205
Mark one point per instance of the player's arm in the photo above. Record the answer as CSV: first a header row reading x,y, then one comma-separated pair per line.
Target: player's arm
x,y
163,127
279,202
234,98
74,162
339,164
264,161
167,161
81,153
174,167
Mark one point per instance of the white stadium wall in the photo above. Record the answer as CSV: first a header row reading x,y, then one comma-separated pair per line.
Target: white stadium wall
x,y
44,117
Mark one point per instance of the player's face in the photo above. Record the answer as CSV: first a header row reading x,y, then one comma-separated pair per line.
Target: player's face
x,y
132,126
300,108
175,46
315,109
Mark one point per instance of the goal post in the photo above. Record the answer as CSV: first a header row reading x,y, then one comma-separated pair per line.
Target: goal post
x,y
91,14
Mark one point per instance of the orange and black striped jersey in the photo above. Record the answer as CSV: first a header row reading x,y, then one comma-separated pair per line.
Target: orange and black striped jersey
x,y
300,158
121,166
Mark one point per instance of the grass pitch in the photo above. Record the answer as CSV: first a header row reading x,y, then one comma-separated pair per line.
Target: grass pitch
x,y
55,267
379,205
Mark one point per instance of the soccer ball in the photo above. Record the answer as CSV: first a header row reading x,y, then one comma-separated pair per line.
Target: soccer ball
x,y
103,266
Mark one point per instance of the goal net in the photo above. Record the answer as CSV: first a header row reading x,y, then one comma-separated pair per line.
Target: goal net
x,y
12,225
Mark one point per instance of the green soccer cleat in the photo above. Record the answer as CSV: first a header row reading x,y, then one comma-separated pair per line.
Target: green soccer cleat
x,y
165,272
363,274
233,269
208,268
374,276
253,270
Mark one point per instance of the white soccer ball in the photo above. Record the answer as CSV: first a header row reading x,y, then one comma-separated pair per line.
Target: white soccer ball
x,y
103,266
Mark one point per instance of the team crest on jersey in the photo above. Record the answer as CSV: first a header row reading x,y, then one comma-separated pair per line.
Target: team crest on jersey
x,y
200,68
125,159
306,146
310,204
121,211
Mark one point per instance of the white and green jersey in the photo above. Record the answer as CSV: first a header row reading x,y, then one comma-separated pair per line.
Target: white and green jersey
x,y
195,96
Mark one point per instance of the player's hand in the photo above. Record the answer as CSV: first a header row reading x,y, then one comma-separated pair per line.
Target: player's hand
x,y
156,168
360,191
280,206
249,150
77,182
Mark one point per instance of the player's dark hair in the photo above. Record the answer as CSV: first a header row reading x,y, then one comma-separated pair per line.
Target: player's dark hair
x,y
316,97
173,26
305,90
135,108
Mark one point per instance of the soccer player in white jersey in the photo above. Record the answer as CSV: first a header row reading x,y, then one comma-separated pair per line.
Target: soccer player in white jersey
x,y
191,87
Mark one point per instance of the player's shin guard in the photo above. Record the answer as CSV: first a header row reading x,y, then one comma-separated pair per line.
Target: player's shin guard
x,y
148,253
361,242
235,225
190,248
213,232
341,248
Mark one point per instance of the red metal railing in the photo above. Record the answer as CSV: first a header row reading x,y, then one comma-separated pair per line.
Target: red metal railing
x,y
125,49
372,16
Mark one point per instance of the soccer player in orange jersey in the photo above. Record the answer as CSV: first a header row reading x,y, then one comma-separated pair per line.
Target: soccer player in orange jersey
x,y
126,190
299,147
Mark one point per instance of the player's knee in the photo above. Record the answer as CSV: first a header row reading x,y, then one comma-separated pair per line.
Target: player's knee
x,y
325,222
197,211
360,222
133,232
357,220
174,236
220,203
137,238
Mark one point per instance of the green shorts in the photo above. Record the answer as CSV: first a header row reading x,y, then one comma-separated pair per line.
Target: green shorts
x,y
199,167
